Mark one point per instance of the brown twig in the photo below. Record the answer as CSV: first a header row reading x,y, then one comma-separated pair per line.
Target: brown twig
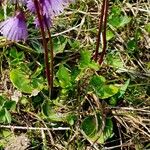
x,y
34,128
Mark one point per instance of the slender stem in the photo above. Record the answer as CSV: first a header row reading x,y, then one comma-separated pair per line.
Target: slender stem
x,y
99,31
104,32
40,19
51,57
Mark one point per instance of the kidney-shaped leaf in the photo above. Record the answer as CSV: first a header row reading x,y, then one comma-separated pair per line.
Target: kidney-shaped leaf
x,y
23,81
92,126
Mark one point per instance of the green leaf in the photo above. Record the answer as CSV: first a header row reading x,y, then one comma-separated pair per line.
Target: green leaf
x,y
2,101
23,81
97,81
74,43
37,72
93,65
10,105
107,91
37,83
36,46
99,86
91,128
124,88
116,19
132,45
2,116
90,125
7,116
71,118
116,10
16,58
15,54
109,35
56,117
113,59
86,61
113,101
5,135
108,131
46,108
124,20
59,44
64,77
50,113
147,27
85,58
74,73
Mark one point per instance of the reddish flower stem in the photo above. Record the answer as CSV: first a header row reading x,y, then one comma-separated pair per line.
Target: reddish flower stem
x,y
102,25
99,31
51,57
104,32
40,18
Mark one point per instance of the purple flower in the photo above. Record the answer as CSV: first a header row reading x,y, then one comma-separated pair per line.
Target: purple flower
x,y
14,28
46,20
49,7
30,6
57,6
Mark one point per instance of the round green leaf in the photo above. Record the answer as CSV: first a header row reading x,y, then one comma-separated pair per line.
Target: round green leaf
x,y
21,80
89,126
24,82
94,133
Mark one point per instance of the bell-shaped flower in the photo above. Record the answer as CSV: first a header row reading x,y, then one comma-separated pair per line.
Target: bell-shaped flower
x,y
14,28
49,7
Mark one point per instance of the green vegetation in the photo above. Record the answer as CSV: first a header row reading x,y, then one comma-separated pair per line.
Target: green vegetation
x,y
93,106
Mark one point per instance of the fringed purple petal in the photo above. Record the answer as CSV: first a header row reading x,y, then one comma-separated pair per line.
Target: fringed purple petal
x,y
14,28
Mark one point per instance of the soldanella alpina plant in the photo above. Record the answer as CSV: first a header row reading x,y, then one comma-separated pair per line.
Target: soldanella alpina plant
x,y
14,28
43,11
